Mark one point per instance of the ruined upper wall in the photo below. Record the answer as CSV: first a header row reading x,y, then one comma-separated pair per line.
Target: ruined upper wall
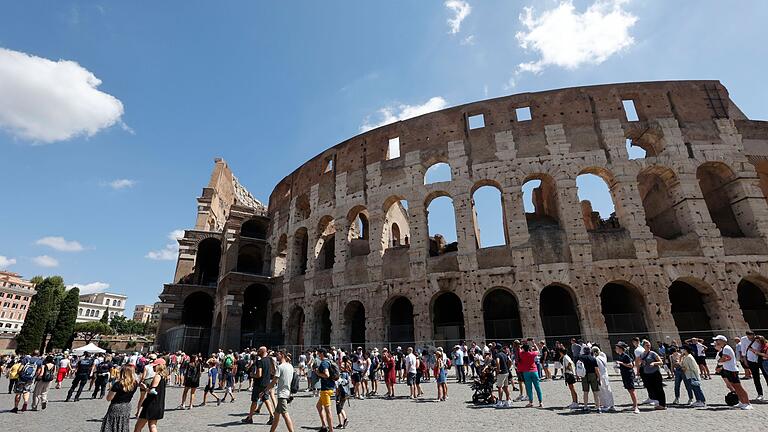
x,y
223,192
579,110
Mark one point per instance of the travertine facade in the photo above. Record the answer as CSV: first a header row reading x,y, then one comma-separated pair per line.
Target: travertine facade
x,y
343,254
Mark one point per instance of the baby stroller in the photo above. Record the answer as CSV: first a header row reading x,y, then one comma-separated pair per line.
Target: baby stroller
x,y
483,387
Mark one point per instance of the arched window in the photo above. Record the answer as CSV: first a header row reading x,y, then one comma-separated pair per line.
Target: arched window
x,y
488,217
441,224
359,232
325,250
540,202
207,262
300,251
281,255
395,235
661,215
395,231
439,172
718,183
597,206
254,228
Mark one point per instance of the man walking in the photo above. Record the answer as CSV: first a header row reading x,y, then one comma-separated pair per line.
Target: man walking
x,y
262,376
501,363
282,380
750,347
726,364
83,372
410,368
328,373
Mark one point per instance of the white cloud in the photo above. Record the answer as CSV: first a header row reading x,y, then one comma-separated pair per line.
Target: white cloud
x,y
60,244
45,261
392,114
6,262
171,251
122,184
469,40
90,288
46,101
510,84
566,38
461,10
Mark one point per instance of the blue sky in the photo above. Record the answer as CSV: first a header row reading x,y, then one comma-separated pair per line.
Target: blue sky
x,y
96,177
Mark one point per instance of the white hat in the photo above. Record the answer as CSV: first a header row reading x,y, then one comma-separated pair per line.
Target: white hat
x,y
720,338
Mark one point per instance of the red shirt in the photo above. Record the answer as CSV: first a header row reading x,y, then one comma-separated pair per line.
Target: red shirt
x,y
527,362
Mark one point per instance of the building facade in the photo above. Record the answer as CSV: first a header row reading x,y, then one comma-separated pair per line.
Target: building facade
x,y
344,253
143,313
92,307
15,295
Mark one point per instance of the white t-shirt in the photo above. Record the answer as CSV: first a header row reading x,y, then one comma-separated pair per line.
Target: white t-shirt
x,y
639,351
745,344
64,363
410,363
284,375
730,365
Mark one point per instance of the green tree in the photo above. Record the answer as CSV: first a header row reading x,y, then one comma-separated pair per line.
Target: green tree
x,y
122,325
33,331
65,322
90,330
105,318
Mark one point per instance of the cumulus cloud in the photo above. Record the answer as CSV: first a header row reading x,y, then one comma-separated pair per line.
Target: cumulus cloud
x,y
6,262
391,114
460,10
45,101
170,251
90,288
566,38
122,184
45,261
60,244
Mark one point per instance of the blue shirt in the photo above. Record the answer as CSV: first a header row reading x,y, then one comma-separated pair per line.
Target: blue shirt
x,y
458,358
213,373
326,383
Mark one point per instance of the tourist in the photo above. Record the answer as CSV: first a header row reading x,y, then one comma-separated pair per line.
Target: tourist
x,y
651,364
12,373
210,385
557,363
411,364
692,376
421,368
23,386
527,366
119,397
191,379
544,358
284,375
63,368
230,371
146,375
586,367
501,365
374,371
357,364
675,361
606,393
750,347
627,370
262,376
518,373
102,372
399,363
763,354
441,375
328,373
727,368
153,407
458,362
701,358
83,370
569,375
343,391
389,367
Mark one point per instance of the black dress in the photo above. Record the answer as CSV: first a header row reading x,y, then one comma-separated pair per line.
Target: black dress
x,y
153,407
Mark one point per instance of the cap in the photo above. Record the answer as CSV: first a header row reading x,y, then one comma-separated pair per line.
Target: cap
x,y
720,338
621,344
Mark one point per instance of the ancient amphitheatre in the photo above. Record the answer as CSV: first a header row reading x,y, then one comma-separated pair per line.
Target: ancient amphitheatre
x,y
342,253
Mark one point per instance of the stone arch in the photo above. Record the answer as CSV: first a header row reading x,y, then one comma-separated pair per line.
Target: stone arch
x,y
761,167
695,308
398,312
325,249
656,185
624,311
395,214
198,310
300,251
255,228
276,326
752,293
718,187
281,255
254,310
250,259
323,324
558,309
540,195
489,214
296,321
589,183
355,323
501,315
441,223
437,173
303,209
359,234
207,260
447,318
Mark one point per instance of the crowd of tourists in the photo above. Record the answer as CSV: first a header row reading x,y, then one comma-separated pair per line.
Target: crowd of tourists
x,y
495,370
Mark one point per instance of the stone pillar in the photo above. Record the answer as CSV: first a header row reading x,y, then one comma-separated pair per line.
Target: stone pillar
x,y
693,214
514,213
232,311
341,249
376,243
631,214
530,316
465,231
571,221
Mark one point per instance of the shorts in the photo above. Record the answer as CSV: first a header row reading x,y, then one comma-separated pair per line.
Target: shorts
x,y
257,390
355,377
22,387
732,377
520,377
208,388
569,378
61,375
411,379
325,397
628,381
590,382
282,406
502,379
442,377
701,360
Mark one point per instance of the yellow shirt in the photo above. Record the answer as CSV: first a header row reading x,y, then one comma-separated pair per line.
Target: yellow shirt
x,y
14,372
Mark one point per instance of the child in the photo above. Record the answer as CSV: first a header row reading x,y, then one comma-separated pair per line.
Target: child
x,y
213,373
342,394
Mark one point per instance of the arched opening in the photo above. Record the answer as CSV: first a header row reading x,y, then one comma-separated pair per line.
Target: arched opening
x,y
323,324
448,319
762,173
250,259
717,182
540,202
207,262
400,314
661,216
488,216
254,228
501,316
354,321
281,256
623,308
441,225
559,315
198,314
597,205
395,235
753,300
436,173
253,320
359,232
325,250
295,330
302,209
276,326
395,232
689,311
300,251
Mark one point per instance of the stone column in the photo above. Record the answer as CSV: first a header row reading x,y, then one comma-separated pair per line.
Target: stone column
x,y
514,213
693,214
465,231
572,222
375,259
631,214
341,248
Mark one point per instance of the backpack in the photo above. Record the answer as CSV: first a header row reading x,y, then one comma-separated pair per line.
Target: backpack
x,y
581,371
731,399
228,361
28,372
48,374
295,383
192,372
140,363
448,363
333,371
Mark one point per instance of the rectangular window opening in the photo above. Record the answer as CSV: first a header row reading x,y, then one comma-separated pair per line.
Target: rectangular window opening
x,y
476,121
393,151
629,109
523,113
328,165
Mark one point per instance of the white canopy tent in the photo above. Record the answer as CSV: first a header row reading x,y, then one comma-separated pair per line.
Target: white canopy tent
x,y
90,348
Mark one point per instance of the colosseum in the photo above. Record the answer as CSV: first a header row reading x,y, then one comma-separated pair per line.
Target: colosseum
x,y
343,254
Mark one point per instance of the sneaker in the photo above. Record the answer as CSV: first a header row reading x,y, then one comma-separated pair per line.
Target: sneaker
x,y
574,405
247,420
676,401
524,398
690,401
346,422
44,405
698,404
507,404
499,404
269,422
636,411
645,402
760,398
746,407
14,410
654,402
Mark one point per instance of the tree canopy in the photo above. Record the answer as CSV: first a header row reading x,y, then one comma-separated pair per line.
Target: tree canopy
x,y
90,330
61,337
41,314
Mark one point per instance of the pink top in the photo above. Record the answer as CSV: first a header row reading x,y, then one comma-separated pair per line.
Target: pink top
x,y
527,362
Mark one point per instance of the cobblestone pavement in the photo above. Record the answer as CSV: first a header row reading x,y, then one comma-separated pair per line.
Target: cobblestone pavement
x,y
403,414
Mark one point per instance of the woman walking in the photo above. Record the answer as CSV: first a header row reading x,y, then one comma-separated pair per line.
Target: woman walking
x,y
192,374
119,397
45,374
651,362
530,371
153,408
